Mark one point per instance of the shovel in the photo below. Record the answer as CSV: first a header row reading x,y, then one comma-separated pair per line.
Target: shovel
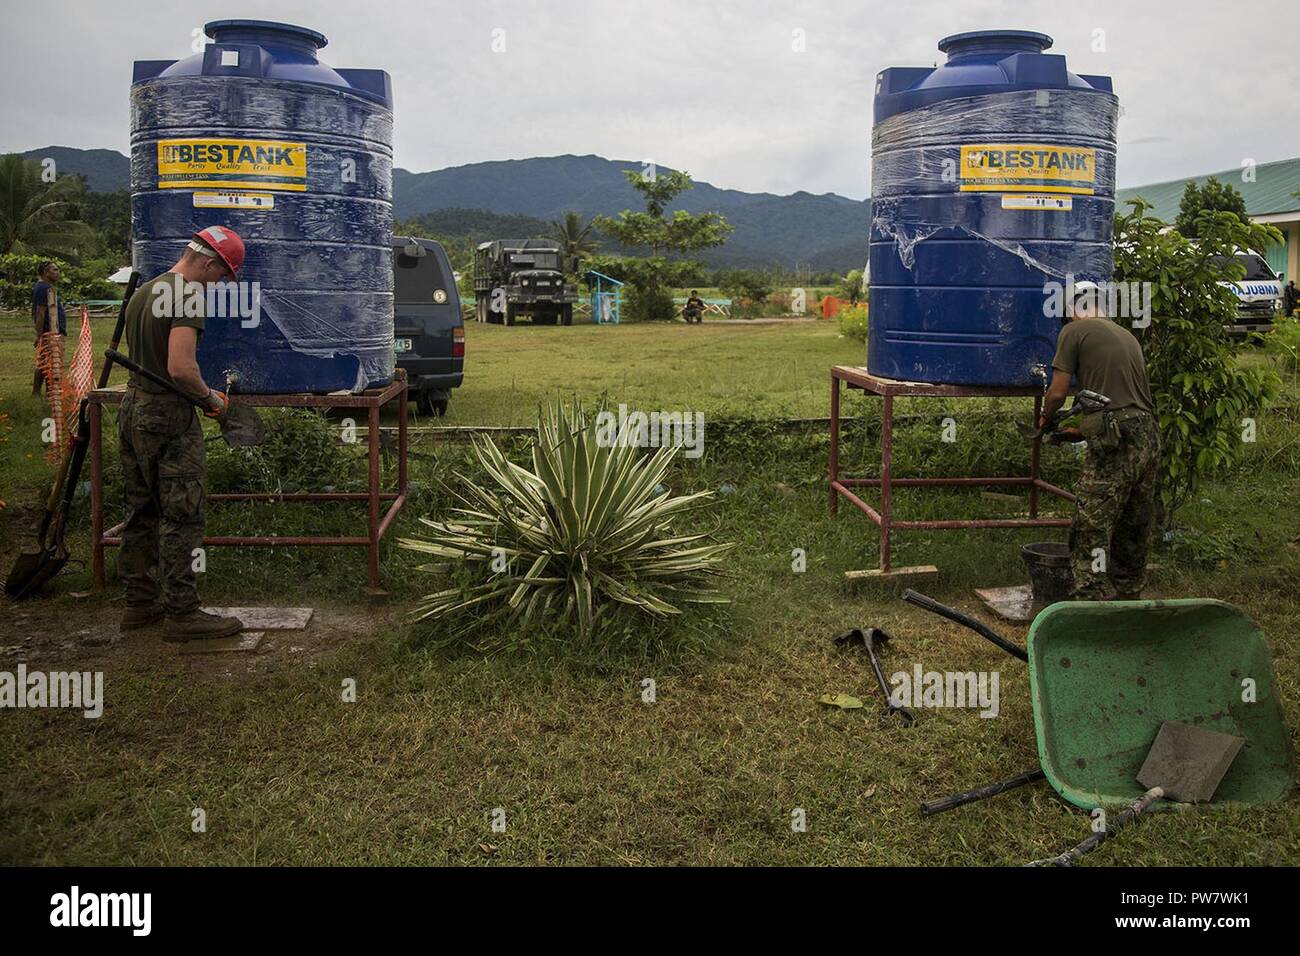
x,y
34,568
869,641
240,425
1185,764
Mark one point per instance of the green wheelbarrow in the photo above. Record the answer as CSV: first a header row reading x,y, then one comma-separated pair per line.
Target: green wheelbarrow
x,y
1105,677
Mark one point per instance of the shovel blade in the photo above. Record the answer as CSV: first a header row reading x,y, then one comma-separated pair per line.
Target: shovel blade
x,y
1188,762
242,427
33,569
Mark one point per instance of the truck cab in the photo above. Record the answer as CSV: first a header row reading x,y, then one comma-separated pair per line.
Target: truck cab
x,y
522,277
428,331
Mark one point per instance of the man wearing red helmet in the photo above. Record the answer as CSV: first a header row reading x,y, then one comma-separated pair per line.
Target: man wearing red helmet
x,y
164,461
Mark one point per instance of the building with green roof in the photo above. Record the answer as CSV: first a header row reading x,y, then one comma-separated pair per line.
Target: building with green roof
x,y
1272,194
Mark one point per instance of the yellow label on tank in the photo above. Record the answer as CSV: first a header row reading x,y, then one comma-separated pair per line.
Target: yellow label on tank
x,y
217,162
986,167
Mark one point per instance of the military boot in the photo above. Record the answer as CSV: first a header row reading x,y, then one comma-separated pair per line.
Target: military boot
x,y
199,626
141,615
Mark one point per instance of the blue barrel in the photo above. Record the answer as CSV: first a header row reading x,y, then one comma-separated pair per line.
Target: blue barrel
x,y
257,134
992,184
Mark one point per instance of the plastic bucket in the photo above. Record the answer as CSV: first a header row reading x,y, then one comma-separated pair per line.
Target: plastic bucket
x,y
1050,576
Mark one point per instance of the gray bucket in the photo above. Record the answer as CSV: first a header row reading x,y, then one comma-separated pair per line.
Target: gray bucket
x,y
1050,576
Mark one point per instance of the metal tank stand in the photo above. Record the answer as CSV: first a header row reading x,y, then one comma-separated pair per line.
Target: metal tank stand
x,y
883,517
378,519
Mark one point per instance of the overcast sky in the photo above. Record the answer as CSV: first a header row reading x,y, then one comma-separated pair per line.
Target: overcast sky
x,y
714,88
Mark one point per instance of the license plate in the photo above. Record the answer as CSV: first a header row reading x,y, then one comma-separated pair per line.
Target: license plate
x,y
402,345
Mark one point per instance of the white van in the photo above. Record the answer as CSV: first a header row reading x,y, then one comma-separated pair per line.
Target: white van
x,y
1259,296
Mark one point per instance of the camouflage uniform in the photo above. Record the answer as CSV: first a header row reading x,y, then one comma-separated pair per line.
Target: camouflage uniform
x,y
164,475
1115,508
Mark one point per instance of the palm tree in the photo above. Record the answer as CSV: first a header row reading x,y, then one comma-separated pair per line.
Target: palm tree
x,y
575,239
34,214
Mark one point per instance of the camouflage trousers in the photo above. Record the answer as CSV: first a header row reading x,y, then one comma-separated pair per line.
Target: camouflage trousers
x,y
164,477
1115,512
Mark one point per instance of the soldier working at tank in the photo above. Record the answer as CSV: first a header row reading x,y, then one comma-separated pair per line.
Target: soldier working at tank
x,y
164,460
1115,507
694,307
47,316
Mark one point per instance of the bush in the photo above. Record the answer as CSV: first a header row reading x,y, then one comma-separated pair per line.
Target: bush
x,y
646,305
76,282
1201,389
1283,342
747,284
584,542
853,323
303,451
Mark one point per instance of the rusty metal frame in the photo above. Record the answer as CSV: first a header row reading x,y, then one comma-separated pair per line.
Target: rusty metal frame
x,y
883,517
378,521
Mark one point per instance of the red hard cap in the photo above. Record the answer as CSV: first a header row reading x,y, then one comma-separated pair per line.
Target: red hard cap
x,y
225,242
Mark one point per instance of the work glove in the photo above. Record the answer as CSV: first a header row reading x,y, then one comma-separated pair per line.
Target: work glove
x,y
1066,436
216,404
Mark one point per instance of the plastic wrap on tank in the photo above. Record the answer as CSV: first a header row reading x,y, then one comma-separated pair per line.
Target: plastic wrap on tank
x,y
907,162
318,241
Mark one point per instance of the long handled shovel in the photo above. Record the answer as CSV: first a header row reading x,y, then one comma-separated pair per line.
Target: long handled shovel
x,y
34,568
240,425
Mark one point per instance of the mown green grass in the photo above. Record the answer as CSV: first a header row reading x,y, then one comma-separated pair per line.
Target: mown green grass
x,y
585,771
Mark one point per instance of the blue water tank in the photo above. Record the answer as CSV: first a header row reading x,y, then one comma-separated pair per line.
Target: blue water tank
x,y
257,134
992,176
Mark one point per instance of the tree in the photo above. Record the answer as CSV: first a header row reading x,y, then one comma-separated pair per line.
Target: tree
x,y
1203,392
576,240
1214,195
662,235
745,284
36,216
850,287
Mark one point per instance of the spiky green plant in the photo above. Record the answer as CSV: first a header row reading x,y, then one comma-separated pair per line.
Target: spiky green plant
x,y
583,534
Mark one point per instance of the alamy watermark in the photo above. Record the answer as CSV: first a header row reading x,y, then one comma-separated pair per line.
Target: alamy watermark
x,y
217,300
79,690
657,429
1115,300
933,689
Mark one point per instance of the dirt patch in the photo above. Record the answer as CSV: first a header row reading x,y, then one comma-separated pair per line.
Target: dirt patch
x,y
80,631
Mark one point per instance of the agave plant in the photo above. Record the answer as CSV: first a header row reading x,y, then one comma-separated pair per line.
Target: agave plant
x,y
586,531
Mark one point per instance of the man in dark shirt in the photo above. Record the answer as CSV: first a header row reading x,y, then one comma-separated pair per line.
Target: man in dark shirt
x,y
1115,503
47,316
164,460
693,310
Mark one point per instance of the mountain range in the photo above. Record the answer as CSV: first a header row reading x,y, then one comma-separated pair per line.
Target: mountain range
x,y
818,231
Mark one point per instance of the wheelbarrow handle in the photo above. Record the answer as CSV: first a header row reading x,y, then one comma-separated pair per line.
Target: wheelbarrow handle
x,y
1128,815
952,614
931,807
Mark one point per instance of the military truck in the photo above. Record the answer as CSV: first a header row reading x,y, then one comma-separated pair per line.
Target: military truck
x,y
518,277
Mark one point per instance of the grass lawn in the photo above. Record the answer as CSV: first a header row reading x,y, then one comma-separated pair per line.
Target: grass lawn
x,y
584,770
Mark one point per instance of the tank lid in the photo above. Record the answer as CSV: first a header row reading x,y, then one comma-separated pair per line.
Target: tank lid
x,y
1001,42
265,31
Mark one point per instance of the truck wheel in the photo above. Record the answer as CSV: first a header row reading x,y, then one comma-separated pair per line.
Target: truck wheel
x,y
510,314
566,314
440,407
